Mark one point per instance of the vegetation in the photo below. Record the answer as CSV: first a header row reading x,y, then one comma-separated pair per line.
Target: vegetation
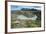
x,y
36,23
25,23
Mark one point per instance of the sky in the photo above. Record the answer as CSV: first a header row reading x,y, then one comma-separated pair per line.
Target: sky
x,y
15,7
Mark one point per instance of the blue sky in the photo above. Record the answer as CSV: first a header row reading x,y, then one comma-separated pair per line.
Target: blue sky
x,y
15,7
